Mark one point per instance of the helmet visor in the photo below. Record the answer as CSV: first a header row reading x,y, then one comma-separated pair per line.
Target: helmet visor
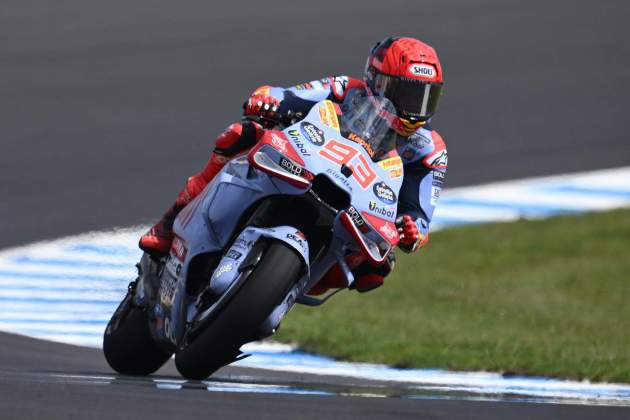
x,y
412,98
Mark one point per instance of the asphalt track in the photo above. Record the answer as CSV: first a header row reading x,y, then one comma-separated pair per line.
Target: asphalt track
x,y
106,107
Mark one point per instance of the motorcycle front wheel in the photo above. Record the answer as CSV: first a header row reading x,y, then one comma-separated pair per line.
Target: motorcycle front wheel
x,y
239,320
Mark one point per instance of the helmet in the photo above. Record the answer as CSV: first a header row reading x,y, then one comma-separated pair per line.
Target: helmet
x,y
408,73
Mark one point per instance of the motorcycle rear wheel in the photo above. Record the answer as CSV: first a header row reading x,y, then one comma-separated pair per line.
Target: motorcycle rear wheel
x,y
127,342
239,321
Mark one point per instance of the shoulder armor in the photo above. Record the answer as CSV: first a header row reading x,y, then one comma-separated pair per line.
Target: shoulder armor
x,y
438,158
424,146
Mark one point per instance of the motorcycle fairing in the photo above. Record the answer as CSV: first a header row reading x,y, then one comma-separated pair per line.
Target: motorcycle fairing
x,y
327,157
208,222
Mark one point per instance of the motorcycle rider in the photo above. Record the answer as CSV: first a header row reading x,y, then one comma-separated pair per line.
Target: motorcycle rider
x,y
404,70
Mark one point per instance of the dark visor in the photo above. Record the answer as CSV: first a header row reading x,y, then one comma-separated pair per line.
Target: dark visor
x,y
412,98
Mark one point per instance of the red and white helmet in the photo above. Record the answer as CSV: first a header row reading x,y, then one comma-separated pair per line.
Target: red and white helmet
x,y
408,73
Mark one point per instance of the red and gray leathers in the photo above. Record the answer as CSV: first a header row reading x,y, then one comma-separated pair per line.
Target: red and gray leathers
x,y
423,153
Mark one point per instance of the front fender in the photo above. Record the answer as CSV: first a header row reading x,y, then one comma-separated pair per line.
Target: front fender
x,y
232,262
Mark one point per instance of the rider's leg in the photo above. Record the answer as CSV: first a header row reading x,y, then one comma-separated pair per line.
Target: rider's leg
x,y
236,140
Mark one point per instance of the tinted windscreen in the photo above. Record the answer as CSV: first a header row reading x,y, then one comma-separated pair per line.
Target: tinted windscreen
x,y
366,121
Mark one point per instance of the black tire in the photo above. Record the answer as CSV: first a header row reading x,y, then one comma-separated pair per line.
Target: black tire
x,y
240,319
127,343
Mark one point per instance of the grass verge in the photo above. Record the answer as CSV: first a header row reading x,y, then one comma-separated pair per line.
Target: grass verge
x,y
548,297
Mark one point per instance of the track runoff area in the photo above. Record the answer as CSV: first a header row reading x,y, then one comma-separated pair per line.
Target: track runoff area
x,y
65,290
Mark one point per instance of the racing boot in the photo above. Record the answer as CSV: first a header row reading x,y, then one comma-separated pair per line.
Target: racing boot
x,y
157,241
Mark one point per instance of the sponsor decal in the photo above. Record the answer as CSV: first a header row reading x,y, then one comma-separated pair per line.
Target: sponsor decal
x,y
435,195
382,210
169,331
167,290
356,217
291,167
304,86
242,243
388,231
419,141
339,86
233,254
391,163
297,140
178,249
438,178
438,160
340,178
423,70
173,266
299,238
328,115
384,193
279,143
223,268
312,133
395,173
367,146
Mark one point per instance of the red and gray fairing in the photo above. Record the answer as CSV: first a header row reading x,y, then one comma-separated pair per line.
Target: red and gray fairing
x,y
350,162
373,185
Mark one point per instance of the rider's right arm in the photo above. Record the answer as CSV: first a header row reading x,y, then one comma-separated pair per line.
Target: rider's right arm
x,y
305,95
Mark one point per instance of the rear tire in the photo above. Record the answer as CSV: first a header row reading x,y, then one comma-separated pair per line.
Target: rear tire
x,y
239,321
128,345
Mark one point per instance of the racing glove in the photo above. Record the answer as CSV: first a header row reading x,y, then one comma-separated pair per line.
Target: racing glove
x,y
410,237
261,104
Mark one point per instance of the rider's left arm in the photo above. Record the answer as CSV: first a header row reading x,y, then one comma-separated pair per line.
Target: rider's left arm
x,y
421,190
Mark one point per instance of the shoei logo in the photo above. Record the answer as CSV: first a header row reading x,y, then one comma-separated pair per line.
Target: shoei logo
x,y
422,70
382,210
384,193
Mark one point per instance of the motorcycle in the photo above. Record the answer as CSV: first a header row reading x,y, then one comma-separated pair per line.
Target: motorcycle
x,y
310,194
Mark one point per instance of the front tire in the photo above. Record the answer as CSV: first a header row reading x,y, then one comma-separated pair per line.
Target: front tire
x,y
128,345
239,321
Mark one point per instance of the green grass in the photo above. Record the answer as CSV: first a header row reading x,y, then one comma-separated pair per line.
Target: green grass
x,y
548,297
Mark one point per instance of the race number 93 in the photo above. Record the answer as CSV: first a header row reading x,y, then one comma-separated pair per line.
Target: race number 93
x,y
343,154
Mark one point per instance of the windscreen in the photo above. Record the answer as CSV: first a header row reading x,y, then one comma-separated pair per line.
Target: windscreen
x,y
365,121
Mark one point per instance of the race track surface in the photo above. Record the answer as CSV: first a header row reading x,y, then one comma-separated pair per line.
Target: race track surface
x,y
39,380
106,108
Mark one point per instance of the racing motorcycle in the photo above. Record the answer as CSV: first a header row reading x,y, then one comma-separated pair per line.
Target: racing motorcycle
x,y
260,236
